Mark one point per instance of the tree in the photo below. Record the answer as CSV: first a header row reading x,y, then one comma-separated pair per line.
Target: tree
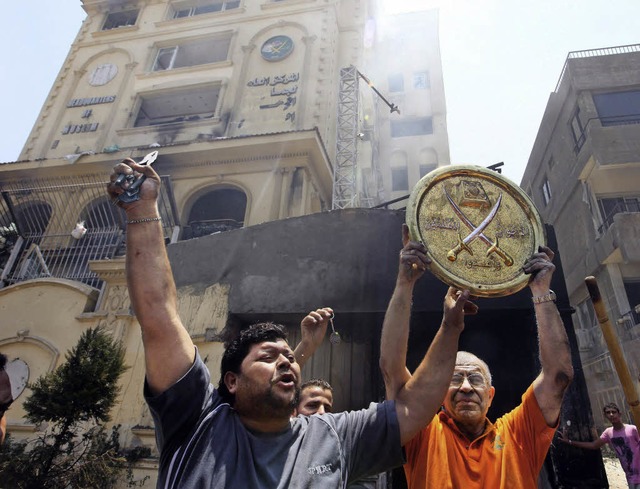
x,y
72,403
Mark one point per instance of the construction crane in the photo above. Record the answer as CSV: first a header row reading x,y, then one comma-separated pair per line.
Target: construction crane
x,y
345,173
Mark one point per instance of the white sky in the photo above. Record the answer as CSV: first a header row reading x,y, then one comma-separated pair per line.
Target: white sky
x,y
501,60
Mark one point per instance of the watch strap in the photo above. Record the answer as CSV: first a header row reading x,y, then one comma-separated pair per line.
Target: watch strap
x,y
549,297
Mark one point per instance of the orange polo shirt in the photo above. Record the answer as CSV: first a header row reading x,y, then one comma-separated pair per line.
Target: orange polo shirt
x,y
509,455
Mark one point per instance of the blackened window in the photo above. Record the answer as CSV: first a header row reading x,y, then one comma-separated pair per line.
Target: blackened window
x,y
618,108
187,105
120,19
216,211
399,178
413,127
424,169
633,294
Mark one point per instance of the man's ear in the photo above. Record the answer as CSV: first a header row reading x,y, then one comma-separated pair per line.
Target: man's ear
x,y
231,381
492,392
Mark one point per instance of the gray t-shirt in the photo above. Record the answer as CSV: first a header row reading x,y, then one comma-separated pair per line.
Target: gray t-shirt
x,y
203,444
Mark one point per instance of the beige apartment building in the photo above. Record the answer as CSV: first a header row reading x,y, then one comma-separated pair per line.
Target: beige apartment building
x,y
407,63
259,116
584,176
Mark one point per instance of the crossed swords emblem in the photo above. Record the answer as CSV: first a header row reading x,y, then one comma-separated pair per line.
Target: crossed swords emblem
x,y
477,232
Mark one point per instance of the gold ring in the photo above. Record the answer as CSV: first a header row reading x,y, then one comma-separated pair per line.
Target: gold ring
x,y
414,266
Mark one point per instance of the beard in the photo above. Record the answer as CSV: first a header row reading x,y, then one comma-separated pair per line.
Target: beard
x,y
279,405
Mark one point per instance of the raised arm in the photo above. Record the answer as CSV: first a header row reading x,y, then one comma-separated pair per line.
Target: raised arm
x,y
395,327
169,351
313,329
555,354
419,396
591,445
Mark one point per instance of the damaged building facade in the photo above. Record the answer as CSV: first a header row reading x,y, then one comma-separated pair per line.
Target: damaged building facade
x,y
274,151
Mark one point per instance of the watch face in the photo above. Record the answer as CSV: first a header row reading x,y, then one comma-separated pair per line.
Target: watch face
x,y
277,48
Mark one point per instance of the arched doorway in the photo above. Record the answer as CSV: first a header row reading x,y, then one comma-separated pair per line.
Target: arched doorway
x,y
217,210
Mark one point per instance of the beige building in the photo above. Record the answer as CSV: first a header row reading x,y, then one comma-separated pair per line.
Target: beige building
x,y
249,105
407,64
584,176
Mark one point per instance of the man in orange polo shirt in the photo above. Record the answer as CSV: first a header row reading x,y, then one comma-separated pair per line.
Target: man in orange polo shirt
x,y
460,447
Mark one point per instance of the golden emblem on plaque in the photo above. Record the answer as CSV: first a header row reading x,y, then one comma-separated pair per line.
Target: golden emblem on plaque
x,y
479,228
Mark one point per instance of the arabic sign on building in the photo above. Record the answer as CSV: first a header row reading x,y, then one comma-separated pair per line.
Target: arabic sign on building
x,y
283,96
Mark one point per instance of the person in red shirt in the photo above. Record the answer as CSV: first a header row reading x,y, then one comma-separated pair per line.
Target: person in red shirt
x,y
460,447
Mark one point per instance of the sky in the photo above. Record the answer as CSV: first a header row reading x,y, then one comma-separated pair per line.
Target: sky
x,y
501,60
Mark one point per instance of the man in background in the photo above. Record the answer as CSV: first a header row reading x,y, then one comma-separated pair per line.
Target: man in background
x,y
624,440
316,396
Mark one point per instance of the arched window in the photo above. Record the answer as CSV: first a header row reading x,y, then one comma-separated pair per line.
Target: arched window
x,y
216,211
428,161
101,214
33,219
399,172
104,224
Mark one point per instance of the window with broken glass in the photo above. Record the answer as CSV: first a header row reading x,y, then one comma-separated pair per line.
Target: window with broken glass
x,y
192,53
189,9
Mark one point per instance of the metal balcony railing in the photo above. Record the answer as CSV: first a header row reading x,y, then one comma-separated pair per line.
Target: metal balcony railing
x,y
589,53
53,228
621,205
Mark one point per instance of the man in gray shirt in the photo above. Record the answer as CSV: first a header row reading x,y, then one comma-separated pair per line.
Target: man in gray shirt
x,y
241,435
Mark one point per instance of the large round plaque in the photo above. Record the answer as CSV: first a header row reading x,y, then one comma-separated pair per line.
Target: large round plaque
x,y
479,228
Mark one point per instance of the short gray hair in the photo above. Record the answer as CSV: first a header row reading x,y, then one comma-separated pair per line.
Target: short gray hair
x,y
466,358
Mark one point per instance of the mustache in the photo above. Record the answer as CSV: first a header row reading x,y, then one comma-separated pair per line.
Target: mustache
x,y
285,374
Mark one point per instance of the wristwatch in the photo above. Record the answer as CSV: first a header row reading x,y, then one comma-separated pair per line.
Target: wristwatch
x,y
551,296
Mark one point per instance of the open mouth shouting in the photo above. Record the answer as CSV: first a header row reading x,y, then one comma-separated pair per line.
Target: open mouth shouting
x,y
286,380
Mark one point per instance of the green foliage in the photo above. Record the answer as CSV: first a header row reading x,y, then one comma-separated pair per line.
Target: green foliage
x,y
84,387
71,404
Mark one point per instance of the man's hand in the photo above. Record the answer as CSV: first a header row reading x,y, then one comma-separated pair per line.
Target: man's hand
x,y
413,259
562,435
312,331
541,270
148,191
314,326
456,306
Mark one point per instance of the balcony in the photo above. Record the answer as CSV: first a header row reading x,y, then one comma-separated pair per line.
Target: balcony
x,y
54,228
621,237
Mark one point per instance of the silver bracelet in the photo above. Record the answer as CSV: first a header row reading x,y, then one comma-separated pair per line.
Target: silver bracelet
x,y
144,219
